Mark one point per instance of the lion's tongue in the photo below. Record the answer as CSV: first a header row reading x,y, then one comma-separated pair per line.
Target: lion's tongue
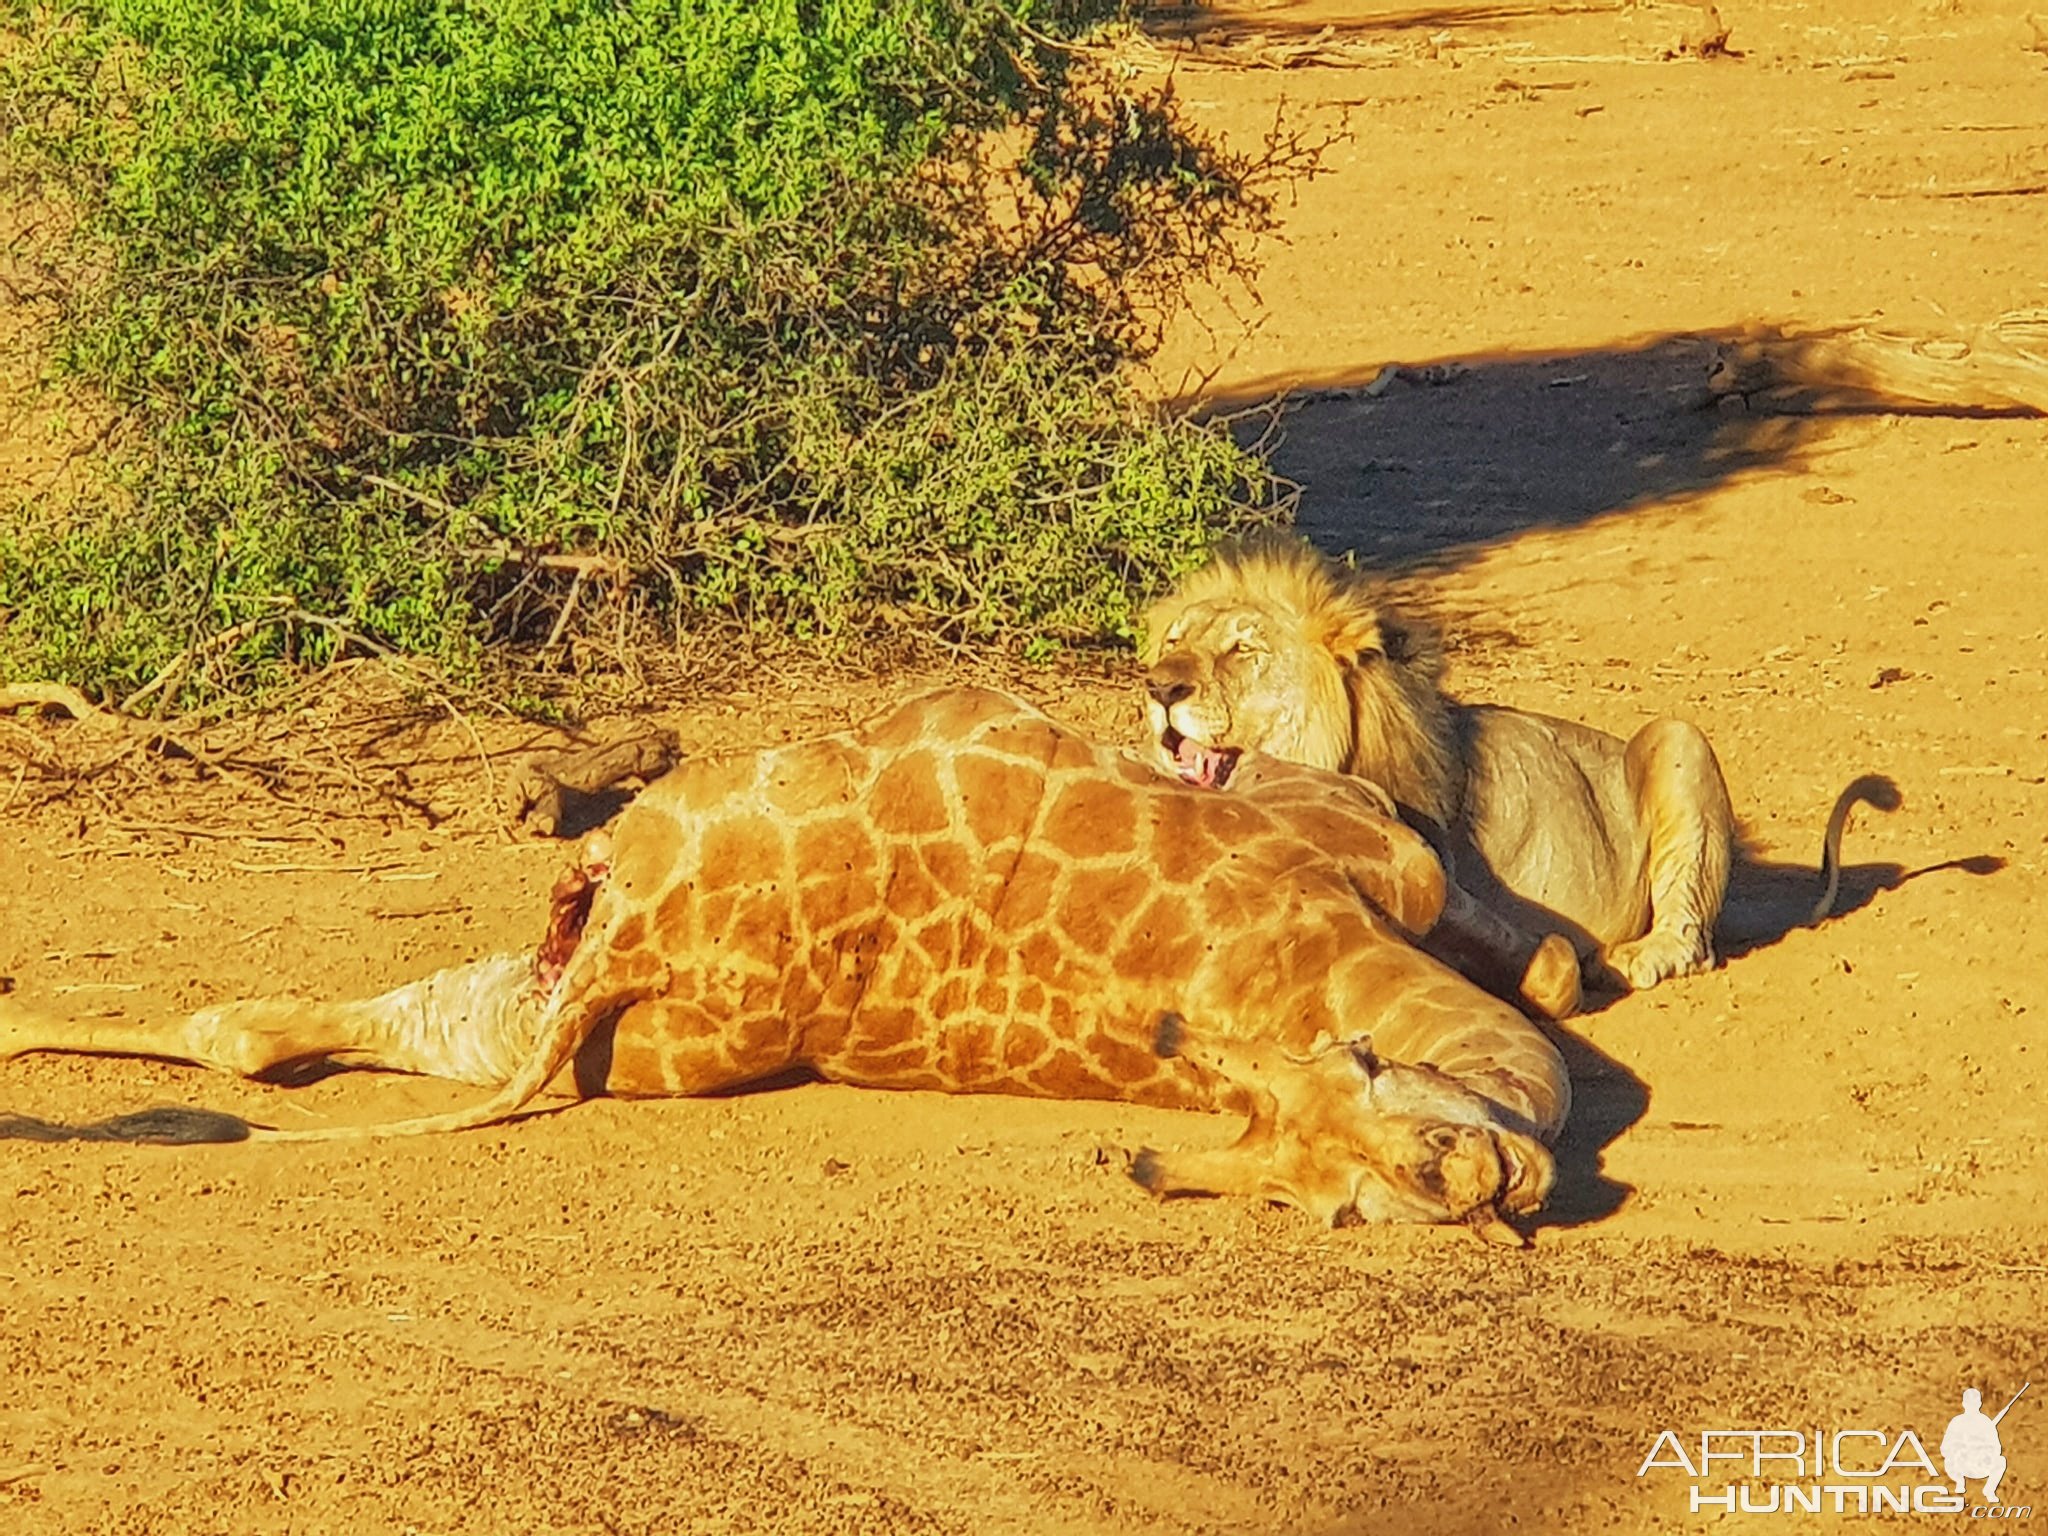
x,y
1199,765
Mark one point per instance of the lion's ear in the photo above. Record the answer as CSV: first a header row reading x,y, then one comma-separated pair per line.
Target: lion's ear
x,y
1356,637
1365,635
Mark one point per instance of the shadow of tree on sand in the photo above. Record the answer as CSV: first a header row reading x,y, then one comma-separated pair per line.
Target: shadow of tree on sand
x,y
1420,467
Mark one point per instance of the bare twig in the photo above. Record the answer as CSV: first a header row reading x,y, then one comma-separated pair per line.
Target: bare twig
x,y
174,672
476,741
185,829
562,618
140,732
324,869
1999,366
582,565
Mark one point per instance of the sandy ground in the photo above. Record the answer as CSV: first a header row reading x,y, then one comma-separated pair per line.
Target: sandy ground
x,y
1804,1191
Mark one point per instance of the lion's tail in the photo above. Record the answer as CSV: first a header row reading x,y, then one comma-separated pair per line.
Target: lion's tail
x,y
1872,789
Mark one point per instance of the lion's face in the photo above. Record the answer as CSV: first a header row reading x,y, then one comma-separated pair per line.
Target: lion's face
x,y
1235,676
1272,648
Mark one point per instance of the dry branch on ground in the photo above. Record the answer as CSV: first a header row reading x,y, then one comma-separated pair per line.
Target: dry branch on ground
x,y
1999,366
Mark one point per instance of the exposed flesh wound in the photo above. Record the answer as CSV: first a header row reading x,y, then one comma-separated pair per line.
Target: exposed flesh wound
x,y
568,911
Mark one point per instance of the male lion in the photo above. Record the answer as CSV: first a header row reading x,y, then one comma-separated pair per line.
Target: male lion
x,y
1626,846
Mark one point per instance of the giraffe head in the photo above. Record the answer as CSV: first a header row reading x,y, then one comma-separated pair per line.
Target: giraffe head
x,y
1350,1139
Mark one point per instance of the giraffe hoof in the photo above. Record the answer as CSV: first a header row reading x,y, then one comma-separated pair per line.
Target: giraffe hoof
x,y
1146,1172
1167,1041
1552,984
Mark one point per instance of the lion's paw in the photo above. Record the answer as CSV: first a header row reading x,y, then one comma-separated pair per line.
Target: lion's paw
x,y
1658,956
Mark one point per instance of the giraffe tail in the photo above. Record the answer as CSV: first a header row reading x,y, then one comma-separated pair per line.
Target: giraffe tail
x,y
577,1002
1873,789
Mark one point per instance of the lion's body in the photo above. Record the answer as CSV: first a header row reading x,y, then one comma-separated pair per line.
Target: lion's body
x,y
1624,846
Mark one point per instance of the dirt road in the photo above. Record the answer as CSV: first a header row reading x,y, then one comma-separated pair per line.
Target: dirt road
x,y
1805,1191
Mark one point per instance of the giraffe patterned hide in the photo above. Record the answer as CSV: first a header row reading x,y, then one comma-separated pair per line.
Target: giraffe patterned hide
x,y
963,896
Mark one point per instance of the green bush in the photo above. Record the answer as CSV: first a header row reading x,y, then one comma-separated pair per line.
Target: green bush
x,y
808,318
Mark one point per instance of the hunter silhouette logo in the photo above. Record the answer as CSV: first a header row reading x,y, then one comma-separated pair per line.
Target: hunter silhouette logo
x,y
1970,1447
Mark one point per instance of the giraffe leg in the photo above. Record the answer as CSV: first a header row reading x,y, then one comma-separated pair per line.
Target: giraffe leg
x,y
512,1021
1283,1155
1243,1168
1682,806
1477,942
593,988
1409,883
464,1023
249,1038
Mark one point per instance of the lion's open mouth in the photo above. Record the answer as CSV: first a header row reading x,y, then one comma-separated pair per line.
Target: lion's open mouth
x,y
1203,766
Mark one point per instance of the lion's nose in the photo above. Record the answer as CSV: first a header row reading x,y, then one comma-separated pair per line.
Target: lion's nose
x,y
1169,691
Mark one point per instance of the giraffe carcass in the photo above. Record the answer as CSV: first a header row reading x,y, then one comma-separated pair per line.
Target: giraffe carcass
x,y
964,896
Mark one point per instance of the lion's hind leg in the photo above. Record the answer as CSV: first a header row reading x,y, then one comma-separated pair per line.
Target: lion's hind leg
x,y
1683,813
